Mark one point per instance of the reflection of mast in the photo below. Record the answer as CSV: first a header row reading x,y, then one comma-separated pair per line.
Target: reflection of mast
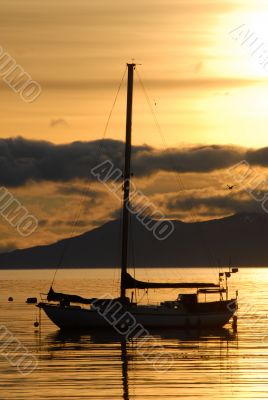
x,y
124,368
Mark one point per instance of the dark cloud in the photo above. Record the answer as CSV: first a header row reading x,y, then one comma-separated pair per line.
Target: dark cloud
x,y
184,83
24,160
217,204
70,223
197,159
79,190
6,247
258,157
58,122
42,222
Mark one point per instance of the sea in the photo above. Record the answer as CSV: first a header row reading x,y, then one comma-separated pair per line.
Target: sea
x,y
227,363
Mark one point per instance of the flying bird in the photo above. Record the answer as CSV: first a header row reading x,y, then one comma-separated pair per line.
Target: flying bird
x,y
230,187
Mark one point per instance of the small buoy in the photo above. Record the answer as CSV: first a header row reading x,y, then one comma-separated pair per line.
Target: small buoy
x,y
36,324
10,299
31,300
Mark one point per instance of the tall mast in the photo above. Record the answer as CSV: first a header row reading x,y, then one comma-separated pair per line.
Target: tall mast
x,y
126,184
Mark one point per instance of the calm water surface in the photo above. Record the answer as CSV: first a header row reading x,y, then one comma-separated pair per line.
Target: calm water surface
x,y
207,365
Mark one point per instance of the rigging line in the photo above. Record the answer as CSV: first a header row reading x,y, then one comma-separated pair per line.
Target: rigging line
x,y
193,217
87,188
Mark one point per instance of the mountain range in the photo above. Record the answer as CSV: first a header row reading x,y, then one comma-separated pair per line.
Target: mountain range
x,y
242,237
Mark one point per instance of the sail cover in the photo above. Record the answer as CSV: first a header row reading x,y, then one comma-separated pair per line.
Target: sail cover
x,y
131,283
71,298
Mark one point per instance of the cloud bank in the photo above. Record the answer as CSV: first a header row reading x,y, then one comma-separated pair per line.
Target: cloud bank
x,y
23,160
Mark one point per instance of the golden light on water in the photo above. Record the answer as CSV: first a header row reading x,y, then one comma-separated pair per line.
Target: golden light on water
x,y
220,365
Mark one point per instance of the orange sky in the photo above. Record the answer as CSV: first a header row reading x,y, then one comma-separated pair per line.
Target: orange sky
x,y
205,85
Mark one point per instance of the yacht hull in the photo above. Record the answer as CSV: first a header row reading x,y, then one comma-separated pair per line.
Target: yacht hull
x,y
83,319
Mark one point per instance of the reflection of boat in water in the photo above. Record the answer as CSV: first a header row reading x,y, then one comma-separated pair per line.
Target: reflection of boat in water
x,y
62,340
109,354
187,311
99,336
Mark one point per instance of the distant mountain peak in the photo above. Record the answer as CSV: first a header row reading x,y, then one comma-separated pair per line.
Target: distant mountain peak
x,y
241,236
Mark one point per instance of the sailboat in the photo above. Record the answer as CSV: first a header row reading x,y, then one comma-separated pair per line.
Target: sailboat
x,y
123,314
